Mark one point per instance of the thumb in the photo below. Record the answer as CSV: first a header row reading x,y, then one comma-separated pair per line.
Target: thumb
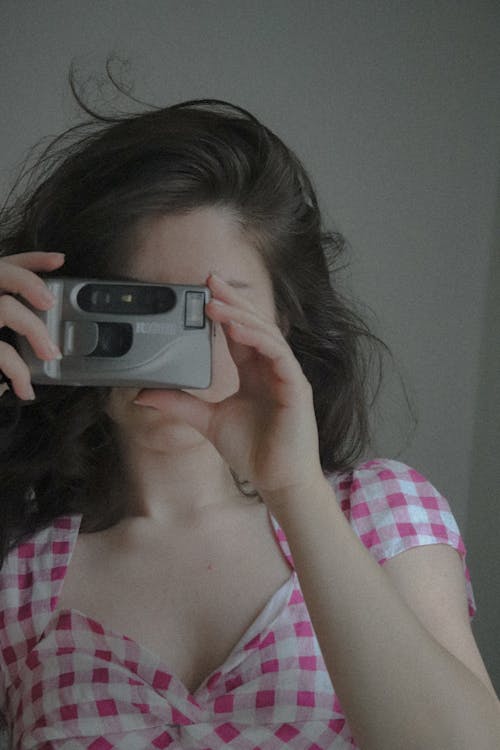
x,y
180,405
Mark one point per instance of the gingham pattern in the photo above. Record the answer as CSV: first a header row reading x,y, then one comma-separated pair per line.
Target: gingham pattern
x,y
69,683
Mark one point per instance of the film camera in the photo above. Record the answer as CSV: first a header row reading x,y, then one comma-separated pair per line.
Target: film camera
x,y
125,333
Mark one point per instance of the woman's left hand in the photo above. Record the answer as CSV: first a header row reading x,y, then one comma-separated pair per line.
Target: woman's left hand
x,y
267,431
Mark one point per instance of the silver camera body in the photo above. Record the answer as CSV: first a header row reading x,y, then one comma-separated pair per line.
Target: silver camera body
x,y
125,333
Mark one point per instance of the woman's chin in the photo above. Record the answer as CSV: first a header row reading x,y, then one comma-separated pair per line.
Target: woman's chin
x,y
161,431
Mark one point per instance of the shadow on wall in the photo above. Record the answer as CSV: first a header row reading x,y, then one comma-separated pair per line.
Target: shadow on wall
x,y
483,523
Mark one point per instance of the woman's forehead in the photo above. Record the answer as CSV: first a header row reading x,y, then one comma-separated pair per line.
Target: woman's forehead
x,y
201,242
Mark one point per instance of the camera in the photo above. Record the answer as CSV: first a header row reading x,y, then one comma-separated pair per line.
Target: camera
x,y
125,333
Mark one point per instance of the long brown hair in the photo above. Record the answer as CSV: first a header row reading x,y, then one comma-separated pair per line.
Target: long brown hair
x,y
86,192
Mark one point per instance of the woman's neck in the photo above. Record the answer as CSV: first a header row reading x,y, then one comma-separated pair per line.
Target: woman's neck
x,y
175,485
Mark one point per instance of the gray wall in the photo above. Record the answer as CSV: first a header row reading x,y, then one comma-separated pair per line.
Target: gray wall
x,y
483,537
394,108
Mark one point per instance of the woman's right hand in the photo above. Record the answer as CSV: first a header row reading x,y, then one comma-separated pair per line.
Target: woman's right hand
x,y
18,276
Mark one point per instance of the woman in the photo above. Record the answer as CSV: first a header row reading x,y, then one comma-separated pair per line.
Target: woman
x,y
149,598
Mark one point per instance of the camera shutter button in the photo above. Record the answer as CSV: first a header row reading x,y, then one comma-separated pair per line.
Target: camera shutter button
x,y
79,337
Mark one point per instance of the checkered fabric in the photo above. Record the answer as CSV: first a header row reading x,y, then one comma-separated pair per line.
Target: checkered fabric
x,y
68,682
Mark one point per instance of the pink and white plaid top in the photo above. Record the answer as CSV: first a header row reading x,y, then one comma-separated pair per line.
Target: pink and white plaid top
x,y
68,682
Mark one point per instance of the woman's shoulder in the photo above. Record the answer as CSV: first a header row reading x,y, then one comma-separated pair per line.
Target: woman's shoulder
x,y
392,507
382,482
30,581
44,546
32,572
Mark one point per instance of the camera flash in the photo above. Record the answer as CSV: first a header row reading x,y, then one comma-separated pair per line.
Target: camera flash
x,y
194,310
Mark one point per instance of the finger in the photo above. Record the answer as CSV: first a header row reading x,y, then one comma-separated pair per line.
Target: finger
x,y
178,404
18,318
222,312
35,260
16,371
233,317
227,293
18,279
284,365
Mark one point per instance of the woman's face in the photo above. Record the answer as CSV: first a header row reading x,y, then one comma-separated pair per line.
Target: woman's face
x,y
185,249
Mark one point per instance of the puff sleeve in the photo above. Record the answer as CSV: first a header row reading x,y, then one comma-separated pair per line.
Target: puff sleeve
x,y
392,508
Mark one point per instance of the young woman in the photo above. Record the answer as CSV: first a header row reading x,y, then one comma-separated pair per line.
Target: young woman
x,y
209,568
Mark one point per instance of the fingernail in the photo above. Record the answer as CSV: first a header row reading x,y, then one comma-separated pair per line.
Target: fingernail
x,y
29,393
47,296
141,403
54,350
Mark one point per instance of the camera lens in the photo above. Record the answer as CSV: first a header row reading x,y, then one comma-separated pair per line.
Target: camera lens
x,y
115,339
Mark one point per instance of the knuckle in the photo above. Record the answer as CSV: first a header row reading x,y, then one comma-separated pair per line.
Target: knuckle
x,y
19,280
19,319
10,361
6,301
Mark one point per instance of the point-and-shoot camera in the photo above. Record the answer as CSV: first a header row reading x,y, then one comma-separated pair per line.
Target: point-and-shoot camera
x,y
125,333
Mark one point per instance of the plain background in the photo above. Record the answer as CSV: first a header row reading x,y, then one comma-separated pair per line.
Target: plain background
x,y
394,109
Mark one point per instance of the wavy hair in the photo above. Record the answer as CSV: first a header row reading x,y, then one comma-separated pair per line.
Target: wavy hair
x,y
84,196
